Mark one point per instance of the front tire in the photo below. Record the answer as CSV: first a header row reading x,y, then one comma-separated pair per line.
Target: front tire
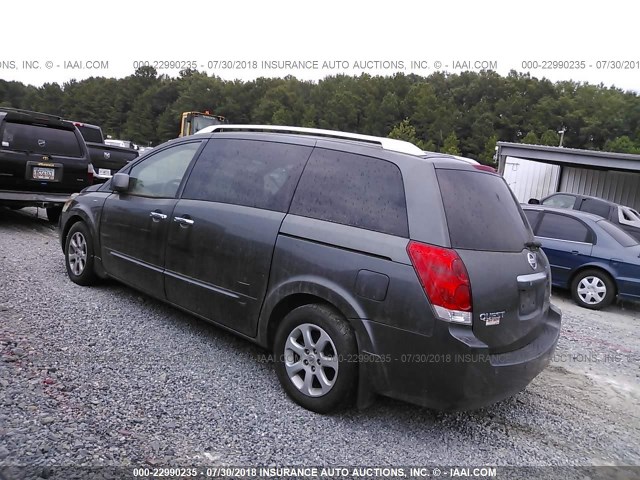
x,y
593,289
316,355
78,255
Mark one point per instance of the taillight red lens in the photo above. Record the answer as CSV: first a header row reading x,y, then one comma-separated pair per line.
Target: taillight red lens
x,y
443,276
90,173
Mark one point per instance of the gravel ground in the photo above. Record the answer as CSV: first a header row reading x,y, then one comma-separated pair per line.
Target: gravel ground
x,y
105,376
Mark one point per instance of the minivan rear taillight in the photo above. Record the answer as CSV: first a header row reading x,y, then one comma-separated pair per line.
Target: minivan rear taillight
x,y
444,279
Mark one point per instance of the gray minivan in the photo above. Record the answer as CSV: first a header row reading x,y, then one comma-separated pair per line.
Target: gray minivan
x,y
366,266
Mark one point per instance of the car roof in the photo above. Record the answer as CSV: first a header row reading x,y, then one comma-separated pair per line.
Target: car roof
x,y
391,144
564,211
389,149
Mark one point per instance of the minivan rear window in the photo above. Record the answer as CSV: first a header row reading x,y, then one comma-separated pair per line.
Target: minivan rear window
x,y
40,139
481,211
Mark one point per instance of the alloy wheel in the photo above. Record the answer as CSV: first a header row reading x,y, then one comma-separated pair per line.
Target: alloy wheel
x,y
77,253
311,360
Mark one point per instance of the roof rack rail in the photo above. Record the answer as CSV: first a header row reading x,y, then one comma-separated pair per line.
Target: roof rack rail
x,y
30,112
386,143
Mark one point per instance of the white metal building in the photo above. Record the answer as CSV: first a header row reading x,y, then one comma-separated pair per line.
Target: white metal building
x,y
534,171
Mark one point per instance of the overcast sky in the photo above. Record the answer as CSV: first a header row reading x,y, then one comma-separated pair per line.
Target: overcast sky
x,y
593,42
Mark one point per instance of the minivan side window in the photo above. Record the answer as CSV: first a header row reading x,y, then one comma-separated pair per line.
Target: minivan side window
x,y
252,173
353,190
159,174
563,227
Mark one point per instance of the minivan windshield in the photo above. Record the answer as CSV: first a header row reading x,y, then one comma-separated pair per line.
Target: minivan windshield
x,y
481,211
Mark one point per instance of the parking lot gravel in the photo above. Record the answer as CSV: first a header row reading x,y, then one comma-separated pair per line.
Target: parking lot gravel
x,y
106,376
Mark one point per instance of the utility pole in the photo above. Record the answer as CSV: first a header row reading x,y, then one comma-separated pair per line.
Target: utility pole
x,y
561,132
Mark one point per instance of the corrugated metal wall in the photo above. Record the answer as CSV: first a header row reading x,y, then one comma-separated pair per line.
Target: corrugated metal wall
x,y
619,187
529,179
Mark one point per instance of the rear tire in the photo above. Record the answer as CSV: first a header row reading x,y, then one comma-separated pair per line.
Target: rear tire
x,y
593,289
78,255
53,214
316,358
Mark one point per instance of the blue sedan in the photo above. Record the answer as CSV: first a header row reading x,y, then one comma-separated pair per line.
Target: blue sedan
x,y
589,255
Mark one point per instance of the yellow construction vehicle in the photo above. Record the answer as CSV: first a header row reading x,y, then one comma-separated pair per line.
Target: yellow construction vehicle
x,y
192,122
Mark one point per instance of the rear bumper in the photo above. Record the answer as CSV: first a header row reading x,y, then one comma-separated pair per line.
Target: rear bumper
x,y
451,370
33,199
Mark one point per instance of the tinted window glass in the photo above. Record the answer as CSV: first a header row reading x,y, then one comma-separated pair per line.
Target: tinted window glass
x,y
596,207
563,228
481,211
247,172
160,174
41,139
532,216
619,235
91,134
560,201
353,190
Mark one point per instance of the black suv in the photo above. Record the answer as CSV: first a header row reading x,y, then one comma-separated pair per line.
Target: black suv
x,y
43,160
364,267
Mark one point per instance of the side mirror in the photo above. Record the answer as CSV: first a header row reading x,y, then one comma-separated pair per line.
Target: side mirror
x,y
120,182
533,201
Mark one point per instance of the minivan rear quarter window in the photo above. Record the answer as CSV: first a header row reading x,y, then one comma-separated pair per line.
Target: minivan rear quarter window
x,y
481,212
353,190
40,139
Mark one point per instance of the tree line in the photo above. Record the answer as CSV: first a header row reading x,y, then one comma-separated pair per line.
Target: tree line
x,y
463,113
